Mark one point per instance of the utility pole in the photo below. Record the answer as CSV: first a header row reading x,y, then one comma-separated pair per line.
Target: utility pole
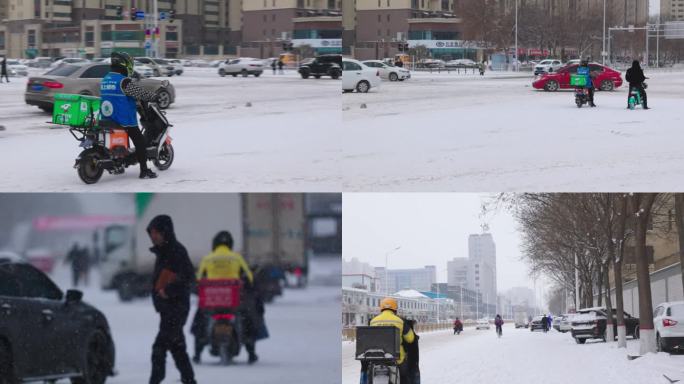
x,y
603,51
516,36
155,22
461,303
577,291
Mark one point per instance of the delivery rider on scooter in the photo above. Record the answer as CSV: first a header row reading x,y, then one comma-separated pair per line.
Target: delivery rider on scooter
x,y
118,93
223,264
388,317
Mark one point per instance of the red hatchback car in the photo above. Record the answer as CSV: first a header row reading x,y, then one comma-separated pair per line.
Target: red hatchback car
x,y
607,80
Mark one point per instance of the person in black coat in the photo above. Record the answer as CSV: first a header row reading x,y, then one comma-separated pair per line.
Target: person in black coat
x,y
172,280
3,69
412,356
635,77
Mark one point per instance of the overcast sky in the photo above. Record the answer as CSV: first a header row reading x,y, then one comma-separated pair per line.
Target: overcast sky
x,y
430,229
655,7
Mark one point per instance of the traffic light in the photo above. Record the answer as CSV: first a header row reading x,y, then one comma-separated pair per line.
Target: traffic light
x,y
134,17
119,12
172,16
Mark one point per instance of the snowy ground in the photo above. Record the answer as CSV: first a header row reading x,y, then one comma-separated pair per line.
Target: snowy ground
x,y
303,346
524,357
467,133
287,140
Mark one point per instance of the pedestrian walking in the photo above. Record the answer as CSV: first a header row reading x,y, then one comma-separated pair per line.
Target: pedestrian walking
x,y
172,279
545,323
280,66
498,322
274,64
3,69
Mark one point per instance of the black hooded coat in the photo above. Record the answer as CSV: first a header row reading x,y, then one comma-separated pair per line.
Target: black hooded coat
x,y
171,257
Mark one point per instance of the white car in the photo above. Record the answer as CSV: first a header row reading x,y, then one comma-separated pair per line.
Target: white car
x,y
547,66
565,323
482,324
357,76
16,68
160,67
199,63
461,63
70,60
668,319
388,72
244,66
142,69
177,66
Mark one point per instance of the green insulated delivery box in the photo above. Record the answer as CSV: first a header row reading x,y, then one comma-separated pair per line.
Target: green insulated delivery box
x,y
75,110
578,80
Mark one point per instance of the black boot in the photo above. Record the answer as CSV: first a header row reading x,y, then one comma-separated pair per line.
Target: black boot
x,y
253,358
147,174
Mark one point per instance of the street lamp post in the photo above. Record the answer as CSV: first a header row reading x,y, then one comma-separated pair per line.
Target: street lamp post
x,y
516,36
603,50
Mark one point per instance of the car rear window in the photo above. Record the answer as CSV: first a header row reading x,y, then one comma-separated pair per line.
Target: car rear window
x,y
63,70
677,310
96,72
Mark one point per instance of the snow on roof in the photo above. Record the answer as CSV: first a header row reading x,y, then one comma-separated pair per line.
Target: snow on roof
x,y
410,293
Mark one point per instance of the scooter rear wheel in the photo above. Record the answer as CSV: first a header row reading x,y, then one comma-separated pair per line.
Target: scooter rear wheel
x,y
164,158
88,170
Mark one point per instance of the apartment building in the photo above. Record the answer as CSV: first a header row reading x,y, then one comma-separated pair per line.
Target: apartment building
x,y
670,10
374,29
268,24
394,280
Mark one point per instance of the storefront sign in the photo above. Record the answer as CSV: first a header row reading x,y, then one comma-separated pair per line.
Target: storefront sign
x,y
318,43
442,44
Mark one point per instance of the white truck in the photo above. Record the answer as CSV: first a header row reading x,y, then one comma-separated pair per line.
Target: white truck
x,y
126,262
520,318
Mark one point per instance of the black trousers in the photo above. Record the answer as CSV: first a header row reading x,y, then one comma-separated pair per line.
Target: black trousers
x,y
591,95
642,91
4,74
140,145
171,339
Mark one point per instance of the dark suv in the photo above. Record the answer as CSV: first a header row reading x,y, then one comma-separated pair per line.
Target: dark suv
x,y
46,335
324,65
590,323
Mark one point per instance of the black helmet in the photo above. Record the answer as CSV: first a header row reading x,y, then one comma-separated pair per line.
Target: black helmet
x,y
123,60
223,238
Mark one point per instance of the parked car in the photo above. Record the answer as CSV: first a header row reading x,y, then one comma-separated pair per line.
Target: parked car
x,y
160,67
536,323
40,62
668,319
69,60
607,79
177,66
388,72
565,323
16,68
323,65
590,323
142,69
547,66
46,335
199,63
556,322
243,66
359,77
84,80
461,63
482,324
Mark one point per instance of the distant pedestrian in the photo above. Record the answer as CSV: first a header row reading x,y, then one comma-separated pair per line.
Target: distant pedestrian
x,y
399,63
274,63
545,323
549,320
3,69
280,66
173,276
79,259
498,322
458,326
482,67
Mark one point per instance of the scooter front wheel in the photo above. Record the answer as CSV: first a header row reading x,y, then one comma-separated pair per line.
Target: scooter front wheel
x,y
88,169
164,157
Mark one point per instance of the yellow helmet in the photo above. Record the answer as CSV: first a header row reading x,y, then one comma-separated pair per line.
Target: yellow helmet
x,y
388,303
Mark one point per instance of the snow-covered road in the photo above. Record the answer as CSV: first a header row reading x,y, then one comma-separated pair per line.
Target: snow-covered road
x,y
466,133
524,357
303,346
287,140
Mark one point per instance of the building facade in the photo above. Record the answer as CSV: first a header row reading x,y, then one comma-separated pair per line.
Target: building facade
x,y
376,29
420,279
482,269
670,10
92,28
